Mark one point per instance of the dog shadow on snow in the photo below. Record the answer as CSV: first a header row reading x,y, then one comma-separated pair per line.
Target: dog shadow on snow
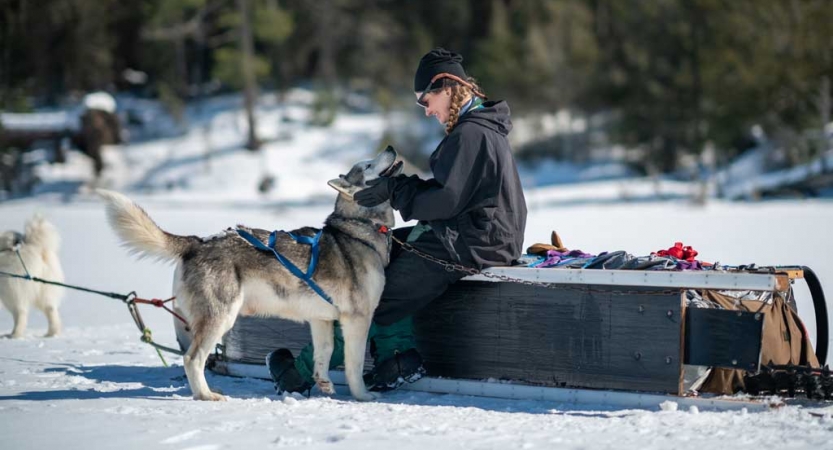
x,y
80,382
170,384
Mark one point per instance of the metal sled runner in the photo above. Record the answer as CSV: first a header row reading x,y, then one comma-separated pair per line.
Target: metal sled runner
x,y
622,338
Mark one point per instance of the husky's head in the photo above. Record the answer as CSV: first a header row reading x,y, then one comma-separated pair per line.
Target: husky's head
x,y
383,165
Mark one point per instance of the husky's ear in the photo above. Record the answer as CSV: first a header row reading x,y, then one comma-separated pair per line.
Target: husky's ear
x,y
343,186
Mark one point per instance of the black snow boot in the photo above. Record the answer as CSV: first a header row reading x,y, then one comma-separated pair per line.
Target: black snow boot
x,y
394,372
281,366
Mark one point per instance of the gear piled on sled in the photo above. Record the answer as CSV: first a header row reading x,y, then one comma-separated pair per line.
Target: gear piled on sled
x,y
678,326
784,341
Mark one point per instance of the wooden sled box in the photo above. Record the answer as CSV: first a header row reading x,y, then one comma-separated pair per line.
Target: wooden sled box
x,y
601,329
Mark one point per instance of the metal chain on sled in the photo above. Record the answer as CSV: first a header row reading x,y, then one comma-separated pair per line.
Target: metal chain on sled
x,y
454,267
787,380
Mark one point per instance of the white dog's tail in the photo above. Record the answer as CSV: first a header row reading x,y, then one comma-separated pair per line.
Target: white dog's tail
x,y
139,232
39,231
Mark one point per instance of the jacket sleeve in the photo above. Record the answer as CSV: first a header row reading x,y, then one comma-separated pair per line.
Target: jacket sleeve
x,y
461,165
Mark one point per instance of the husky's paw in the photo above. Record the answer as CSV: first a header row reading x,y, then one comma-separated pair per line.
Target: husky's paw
x,y
367,396
326,387
211,397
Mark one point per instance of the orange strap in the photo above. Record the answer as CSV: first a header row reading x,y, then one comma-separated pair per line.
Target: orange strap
x,y
459,80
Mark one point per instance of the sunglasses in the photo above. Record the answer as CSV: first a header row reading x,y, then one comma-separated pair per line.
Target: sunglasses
x,y
421,101
424,103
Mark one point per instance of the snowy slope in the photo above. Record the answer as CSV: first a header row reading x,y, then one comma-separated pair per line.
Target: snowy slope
x,y
97,386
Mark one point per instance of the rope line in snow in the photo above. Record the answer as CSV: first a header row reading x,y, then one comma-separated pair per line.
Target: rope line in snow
x,y
131,300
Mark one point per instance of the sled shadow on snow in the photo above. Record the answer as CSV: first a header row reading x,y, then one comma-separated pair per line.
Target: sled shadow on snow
x,y
503,405
169,383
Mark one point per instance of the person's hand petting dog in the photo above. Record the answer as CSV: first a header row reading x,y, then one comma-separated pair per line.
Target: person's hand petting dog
x,y
377,192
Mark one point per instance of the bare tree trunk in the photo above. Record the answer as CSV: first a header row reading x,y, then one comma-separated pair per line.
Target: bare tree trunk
x,y
696,32
205,123
825,101
250,88
181,87
325,10
824,107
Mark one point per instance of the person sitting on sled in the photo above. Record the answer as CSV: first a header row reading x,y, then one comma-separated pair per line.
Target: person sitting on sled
x,y
472,212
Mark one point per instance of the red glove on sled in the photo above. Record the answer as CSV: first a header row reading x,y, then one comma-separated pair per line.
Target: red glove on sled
x,y
678,251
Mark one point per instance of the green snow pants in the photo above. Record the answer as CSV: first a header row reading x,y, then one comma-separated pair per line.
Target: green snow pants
x,y
385,341
411,283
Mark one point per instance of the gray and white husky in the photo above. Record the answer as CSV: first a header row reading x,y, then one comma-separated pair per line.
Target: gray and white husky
x,y
220,277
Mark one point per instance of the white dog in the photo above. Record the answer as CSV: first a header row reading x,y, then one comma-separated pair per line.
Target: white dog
x,y
39,251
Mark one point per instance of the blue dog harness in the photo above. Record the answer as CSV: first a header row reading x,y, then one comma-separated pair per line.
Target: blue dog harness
x,y
313,261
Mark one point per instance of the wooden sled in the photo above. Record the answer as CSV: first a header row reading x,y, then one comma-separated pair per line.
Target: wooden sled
x,y
614,338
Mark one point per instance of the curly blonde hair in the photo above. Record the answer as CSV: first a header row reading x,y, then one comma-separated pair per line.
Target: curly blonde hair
x,y
460,93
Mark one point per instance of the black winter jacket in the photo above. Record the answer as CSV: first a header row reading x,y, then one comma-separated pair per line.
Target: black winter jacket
x,y
475,203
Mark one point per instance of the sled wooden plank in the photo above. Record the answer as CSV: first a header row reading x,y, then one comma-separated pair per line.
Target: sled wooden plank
x,y
723,338
465,321
252,338
591,337
691,279
792,273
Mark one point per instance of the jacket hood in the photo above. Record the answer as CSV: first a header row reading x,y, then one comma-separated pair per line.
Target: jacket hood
x,y
493,115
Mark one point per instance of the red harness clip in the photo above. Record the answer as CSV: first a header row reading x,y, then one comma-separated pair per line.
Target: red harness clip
x,y
383,229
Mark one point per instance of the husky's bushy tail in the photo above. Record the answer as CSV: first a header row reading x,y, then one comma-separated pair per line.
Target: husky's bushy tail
x,y
139,233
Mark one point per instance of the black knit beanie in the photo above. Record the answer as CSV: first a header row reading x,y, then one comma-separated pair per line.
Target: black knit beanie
x,y
434,62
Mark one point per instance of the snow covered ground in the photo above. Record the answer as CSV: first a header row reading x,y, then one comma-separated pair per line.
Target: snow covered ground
x,y
97,386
